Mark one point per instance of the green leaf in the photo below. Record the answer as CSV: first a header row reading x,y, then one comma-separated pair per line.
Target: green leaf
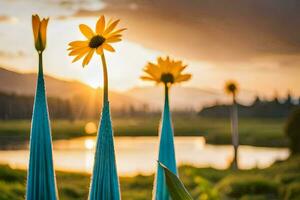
x,y
175,186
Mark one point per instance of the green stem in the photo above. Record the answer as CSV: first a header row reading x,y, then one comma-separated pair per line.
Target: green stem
x,y
105,79
233,98
166,95
40,63
235,134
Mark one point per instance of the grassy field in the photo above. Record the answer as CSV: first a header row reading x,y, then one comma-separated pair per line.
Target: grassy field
x,y
258,132
280,181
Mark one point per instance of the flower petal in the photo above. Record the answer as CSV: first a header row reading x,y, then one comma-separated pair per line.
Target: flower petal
x,y
88,57
99,50
79,51
43,31
153,70
183,77
110,27
113,39
108,47
147,78
35,26
71,48
86,31
79,44
116,32
78,57
100,25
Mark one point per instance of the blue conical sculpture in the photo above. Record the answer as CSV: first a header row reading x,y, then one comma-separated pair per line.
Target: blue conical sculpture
x,y
41,184
166,152
105,182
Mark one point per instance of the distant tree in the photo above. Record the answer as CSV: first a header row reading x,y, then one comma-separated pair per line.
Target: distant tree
x,y
276,97
256,101
289,99
13,106
292,130
231,88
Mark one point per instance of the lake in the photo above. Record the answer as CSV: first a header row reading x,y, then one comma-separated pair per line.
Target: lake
x,y
138,155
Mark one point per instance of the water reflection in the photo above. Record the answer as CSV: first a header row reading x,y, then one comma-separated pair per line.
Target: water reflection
x,y
89,144
138,154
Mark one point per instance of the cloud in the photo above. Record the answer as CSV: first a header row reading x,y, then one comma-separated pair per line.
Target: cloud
x,y
212,30
8,19
6,54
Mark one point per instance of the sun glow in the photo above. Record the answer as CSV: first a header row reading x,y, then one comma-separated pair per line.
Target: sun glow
x,y
90,128
93,83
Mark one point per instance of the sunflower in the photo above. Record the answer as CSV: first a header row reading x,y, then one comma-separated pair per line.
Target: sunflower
x,y
166,71
97,41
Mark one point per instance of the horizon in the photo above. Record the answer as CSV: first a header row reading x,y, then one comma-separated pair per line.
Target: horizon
x,y
183,97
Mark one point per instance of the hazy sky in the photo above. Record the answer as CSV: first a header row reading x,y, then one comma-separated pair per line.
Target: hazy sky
x,y
256,43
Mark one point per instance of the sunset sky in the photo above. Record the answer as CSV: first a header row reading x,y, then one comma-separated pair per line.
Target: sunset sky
x,y
263,58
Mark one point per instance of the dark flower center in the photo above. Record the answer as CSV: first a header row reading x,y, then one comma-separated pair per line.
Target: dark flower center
x,y
232,88
167,78
96,41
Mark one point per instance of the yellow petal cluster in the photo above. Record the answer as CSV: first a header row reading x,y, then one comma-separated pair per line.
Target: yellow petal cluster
x,y
39,28
231,87
165,71
97,41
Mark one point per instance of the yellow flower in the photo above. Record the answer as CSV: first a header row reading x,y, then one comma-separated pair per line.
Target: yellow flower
x,y
166,71
96,41
231,87
39,28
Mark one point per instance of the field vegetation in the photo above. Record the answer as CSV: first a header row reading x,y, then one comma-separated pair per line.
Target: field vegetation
x,y
253,131
280,181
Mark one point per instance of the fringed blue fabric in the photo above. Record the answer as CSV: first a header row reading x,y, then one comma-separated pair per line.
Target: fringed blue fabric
x,y
41,184
166,152
105,182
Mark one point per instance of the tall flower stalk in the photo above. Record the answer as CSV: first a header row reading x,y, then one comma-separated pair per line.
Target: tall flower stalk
x,y
166,72
231,88
41,182
104,182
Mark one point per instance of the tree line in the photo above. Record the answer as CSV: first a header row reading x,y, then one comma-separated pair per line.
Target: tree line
x,y
15,106
259,108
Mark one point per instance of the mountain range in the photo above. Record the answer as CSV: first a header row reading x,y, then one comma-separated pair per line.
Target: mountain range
x,y
182,98
24,84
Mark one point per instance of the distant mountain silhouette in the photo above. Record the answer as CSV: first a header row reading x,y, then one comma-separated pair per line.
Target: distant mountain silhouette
x,y
85,98
181,98
264,109
24,84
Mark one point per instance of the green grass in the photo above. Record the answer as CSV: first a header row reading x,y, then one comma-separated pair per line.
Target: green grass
x,y
258,132
278,182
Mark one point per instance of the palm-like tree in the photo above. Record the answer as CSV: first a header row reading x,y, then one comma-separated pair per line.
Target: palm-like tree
x,y
231,88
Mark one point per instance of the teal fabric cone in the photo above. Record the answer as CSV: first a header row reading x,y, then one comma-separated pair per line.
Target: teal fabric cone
x,y
41,184
166,153
105,182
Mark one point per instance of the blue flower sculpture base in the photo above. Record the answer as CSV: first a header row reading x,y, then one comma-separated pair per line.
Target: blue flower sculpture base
x,y
166,153
105,182
41,184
